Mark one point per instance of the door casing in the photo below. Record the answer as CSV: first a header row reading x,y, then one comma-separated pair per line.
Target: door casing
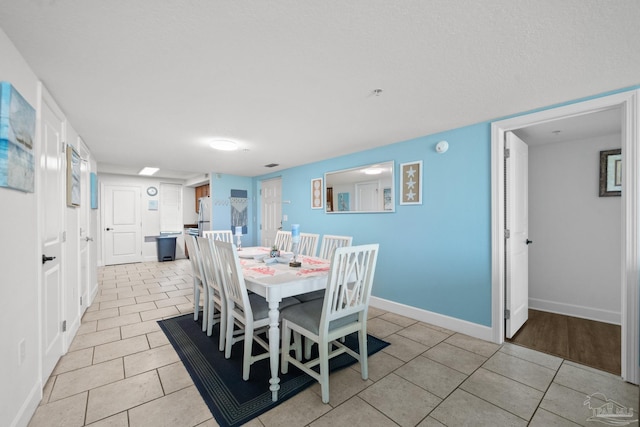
x,y
628,103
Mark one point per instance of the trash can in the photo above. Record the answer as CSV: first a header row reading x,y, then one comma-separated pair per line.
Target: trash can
x,y
166,248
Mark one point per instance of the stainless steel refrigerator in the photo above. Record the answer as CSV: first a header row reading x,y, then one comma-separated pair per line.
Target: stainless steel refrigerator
x,y
204,215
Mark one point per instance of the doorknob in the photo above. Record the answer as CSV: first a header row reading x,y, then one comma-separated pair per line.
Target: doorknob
x,y
88,239
528,242
108,229
47,258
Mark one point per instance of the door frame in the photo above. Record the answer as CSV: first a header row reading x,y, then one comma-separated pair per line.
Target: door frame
x,y
630,134
44,97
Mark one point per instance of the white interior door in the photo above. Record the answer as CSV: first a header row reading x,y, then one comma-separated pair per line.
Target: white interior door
x,y
271,210
517,244
122,226
85,236
52,196
367,197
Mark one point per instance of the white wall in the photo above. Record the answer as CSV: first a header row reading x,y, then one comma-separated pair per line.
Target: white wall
x,y
20,383
151,219
574,261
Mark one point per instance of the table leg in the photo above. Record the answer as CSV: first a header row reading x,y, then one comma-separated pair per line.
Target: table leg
x,y
274,348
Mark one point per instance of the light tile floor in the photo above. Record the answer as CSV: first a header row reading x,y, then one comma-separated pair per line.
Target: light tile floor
x,y
121,371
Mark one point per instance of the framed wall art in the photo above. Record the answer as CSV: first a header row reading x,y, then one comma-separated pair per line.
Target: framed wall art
x,y
94,190
17,135
611,173
411,183
73,177
317,193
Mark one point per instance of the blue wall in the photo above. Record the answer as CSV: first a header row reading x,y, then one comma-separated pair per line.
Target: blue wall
x,y
435,256
221,186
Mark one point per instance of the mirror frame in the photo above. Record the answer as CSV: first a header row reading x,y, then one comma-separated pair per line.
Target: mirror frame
x,y
351,194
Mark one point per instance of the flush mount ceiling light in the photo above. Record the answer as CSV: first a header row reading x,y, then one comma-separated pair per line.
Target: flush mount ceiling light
x,y
147,171
223,145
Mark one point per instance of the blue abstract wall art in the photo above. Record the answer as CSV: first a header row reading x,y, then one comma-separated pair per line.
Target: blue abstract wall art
x,y
17,135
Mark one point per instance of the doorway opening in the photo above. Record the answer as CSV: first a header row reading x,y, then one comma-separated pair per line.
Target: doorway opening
x,y
627,102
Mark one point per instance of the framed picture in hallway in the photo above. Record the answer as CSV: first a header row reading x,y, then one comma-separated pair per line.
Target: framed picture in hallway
x,y
317,198
611,173
73,177
411,183
17,134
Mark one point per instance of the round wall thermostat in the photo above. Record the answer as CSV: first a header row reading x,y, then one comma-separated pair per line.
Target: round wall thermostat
x,y
152,191
442,147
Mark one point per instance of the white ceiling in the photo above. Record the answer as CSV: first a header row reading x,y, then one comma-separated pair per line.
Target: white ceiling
x,y
149,82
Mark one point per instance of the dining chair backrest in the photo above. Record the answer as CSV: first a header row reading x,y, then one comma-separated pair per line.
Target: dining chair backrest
x,y
330,243
194,256
349,284
224,235
308,244
233,285
210,264
283,240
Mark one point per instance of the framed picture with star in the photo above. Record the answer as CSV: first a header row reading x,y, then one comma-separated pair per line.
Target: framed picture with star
x,y
411,183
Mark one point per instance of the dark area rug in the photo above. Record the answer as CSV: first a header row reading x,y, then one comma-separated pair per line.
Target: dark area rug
x,y
231,400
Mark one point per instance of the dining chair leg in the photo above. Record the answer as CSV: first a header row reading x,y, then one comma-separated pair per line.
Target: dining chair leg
x,y
223,331
362,349
212,316
205,307
196,300
229,339
248,345
297,345
324,372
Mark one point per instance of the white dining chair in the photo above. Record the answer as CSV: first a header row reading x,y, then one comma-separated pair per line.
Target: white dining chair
x,y
341,312
308,244
250,312
224,235
283,241
330,243
216,301
199,285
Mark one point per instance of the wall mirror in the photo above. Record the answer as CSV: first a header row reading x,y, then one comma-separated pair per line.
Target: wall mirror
x,y
368,188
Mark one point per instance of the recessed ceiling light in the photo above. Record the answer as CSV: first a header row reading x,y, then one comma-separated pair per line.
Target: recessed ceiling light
x,y
224,145
148,171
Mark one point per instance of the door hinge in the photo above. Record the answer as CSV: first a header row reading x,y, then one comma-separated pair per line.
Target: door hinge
x,y
260,226
261,191
64,326
507,234
507,313
507,153
64,236
80,301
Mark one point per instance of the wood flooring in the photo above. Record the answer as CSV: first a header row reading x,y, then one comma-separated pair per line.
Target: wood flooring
x,y
587,342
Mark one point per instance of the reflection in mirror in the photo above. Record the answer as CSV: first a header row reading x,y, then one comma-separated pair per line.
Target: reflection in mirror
x,y
366,188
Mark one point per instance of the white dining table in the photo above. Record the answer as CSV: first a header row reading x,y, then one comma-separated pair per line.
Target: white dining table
x,y
275,281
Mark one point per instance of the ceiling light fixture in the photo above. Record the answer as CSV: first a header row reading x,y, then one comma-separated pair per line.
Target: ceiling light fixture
x,y
223,145
147,171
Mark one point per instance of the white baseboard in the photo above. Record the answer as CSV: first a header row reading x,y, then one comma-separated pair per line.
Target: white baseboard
x,y
451,323
589,313
29,406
